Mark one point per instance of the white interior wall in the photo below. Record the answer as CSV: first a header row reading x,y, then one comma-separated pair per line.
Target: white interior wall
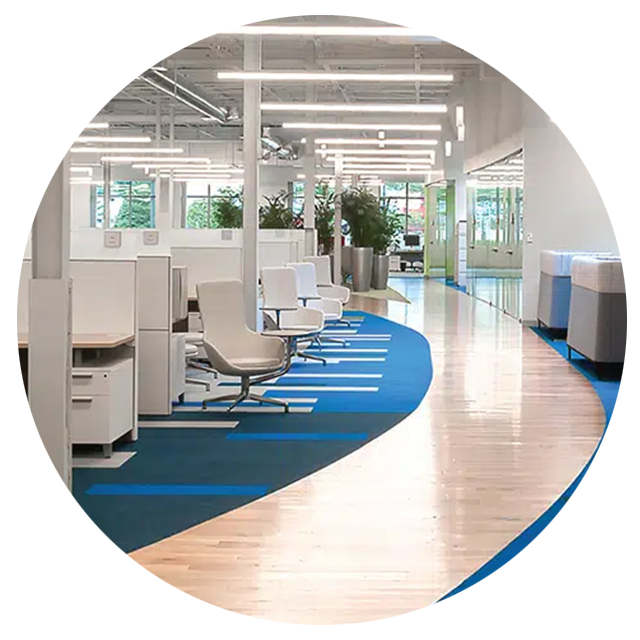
x,y
575,175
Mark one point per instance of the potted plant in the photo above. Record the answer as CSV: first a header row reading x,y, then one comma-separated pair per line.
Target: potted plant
x,y
227,209
324,213
389,225
276,214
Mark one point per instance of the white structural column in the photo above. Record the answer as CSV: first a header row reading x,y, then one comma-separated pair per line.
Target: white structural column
x,y
251,149
171,192
27,159
49,359
454,171
309,168
106,179
337,227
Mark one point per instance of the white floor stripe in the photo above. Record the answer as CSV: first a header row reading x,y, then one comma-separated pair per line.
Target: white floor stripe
x,y
326,375
249,409
318,389
346,350
191,424
98,461
339,360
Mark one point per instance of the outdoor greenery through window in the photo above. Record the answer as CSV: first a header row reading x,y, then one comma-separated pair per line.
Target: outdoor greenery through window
x,y
210,206
407,198
132,205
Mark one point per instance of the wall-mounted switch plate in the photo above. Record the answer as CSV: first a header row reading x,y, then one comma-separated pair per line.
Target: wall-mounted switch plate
x,y
529,238
227,234
150,237
112,239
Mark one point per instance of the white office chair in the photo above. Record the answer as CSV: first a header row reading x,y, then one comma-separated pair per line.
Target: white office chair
x,y
235,350
325,284
191,352
310,297
282,310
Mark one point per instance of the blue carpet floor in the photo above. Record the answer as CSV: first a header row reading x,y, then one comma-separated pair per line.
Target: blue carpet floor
x,y
181,477
570,566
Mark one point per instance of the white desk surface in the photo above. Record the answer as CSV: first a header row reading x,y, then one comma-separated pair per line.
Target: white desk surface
x,y
88,340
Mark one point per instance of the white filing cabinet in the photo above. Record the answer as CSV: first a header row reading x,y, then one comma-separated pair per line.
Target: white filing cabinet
x,y
101,401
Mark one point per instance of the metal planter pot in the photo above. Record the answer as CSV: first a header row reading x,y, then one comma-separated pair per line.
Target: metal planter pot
x,y
347,261
361,267
380,272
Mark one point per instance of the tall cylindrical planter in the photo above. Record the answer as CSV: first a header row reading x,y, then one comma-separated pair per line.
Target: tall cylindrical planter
x,y
347,259
380,272
361,265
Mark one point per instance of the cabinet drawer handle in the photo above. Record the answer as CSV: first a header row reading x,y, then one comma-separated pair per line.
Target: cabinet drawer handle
x,y
82,375
82,399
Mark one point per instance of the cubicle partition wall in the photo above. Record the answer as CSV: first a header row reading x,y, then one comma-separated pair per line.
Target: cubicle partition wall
x,y
104,338
161,351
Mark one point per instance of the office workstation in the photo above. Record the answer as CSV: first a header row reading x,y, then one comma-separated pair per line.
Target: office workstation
x,y
322,340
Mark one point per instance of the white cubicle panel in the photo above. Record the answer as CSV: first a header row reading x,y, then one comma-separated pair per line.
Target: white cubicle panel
x,y
179,293
154,292
103,296
208,264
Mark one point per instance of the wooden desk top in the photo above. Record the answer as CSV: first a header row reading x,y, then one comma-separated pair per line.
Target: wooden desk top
x,y
88,340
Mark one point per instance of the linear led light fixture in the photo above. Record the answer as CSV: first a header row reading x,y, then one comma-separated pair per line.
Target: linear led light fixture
x,y
295,30
167,165
321,176
383,160
157,160
379,152
375,141
520,44
86,182
217,179
74,125
320,76
147,150
382,167
588,119
354,108
361,126
459,116
88,170
111,139
447,148
204,172
385,173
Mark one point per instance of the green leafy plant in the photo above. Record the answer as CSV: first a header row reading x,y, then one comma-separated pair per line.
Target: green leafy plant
x,y
276,214
388,226
361,212
226,209
325,211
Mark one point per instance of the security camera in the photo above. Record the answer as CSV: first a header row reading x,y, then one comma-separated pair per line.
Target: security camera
x,y
88,70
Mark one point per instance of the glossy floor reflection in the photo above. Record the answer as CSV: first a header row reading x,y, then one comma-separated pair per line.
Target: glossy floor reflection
x,y
503,291
505,427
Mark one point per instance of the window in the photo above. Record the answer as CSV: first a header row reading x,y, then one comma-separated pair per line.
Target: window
x,y
132,204
407,198
204,210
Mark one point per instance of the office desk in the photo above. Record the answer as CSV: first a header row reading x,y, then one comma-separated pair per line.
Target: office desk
x,y
103,389
88,340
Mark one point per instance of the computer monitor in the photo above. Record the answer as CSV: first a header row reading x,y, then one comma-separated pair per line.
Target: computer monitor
x,y
412,240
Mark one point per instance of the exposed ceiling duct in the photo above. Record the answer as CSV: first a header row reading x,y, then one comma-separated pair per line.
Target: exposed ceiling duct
x,y
108,43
